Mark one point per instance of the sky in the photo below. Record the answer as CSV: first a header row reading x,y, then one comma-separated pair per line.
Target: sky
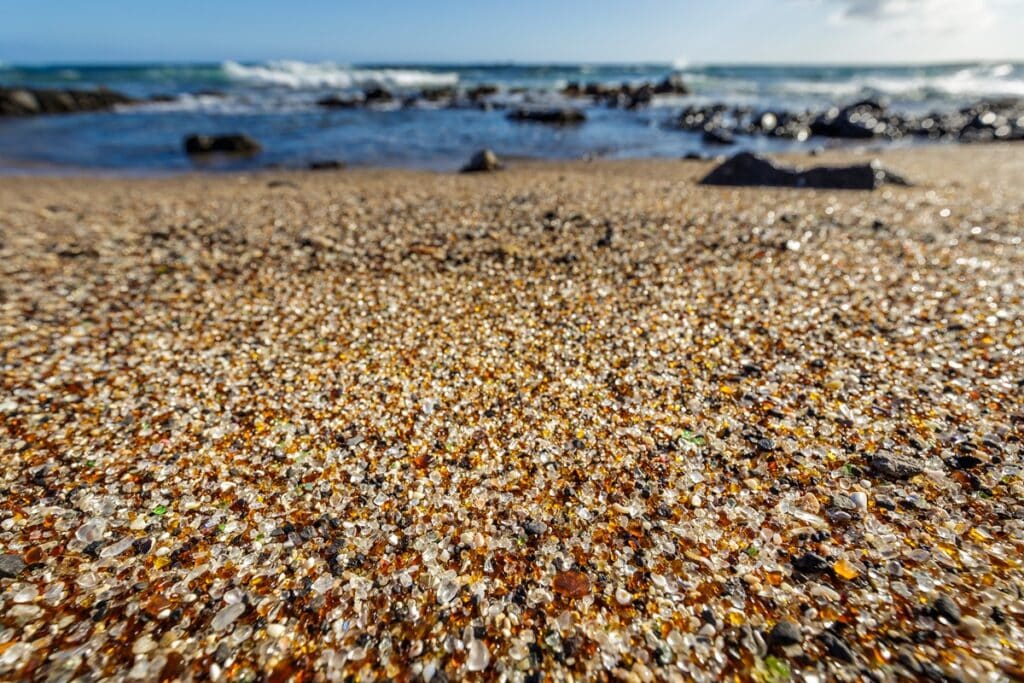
x,y
737,31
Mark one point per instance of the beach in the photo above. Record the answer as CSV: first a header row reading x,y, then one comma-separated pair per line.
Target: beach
x,y
566,421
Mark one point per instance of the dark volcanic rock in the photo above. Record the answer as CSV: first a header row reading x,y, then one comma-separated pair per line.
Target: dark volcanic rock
x,y
236,143
985,121
811,563
718,136
627,95
33,101
672,85
483,161
377,96
746,169
445,92
894,467
860,120
784,633
481,91
947,609
326,165
11,566
338,102
556,117
837,648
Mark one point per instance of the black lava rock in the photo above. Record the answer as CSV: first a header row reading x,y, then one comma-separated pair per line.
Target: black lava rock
x,y
11,566
326,165
718,136
555,117
811,563
338,102
35,101
837,648
947,609
894,467
235,143
746,169
785,633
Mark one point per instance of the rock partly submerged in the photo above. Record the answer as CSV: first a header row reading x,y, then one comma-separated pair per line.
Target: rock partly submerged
x,y
746,169
991,120
234,144
326,165
340,102
558,116
37,101
626,95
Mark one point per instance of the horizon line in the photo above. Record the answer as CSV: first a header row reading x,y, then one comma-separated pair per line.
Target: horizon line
x,y
680,63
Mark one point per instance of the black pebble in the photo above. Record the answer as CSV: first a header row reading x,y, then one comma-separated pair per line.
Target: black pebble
x,y
810,563
837,648
945,607
784,633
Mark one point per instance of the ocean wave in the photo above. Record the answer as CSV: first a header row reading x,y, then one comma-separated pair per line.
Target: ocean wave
x,y
304,75
997,80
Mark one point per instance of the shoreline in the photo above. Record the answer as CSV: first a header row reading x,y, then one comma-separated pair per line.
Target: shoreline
x,y
946,153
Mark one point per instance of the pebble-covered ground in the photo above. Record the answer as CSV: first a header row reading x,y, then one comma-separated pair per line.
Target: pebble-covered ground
x,y
561,422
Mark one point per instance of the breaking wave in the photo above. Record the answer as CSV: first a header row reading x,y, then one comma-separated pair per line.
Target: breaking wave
x,y
305,75
982,81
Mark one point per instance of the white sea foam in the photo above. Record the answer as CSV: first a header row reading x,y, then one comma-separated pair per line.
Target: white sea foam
x,y
981,81
213,104
299,75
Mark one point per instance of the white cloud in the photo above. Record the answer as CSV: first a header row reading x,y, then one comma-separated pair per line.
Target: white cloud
x,y
932,16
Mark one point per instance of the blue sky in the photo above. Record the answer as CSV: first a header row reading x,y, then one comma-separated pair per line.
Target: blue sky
x,y
788,31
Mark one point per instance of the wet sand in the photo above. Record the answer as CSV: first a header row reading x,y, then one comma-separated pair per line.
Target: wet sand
x,y
566,420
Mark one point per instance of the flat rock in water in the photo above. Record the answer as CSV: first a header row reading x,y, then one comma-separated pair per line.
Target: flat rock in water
x,y
718,136
556,117
235,143
35,101
326,165
746,169
338,102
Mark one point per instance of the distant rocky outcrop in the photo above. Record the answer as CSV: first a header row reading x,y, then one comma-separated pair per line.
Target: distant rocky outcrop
x,y
627,95
994,120
378,96
326,165
858,121
481,92
718,136
558,116
339,102
439,94
746,169
235,144
37,101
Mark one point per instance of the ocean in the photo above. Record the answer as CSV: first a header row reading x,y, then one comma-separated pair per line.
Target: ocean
x,y
276,103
